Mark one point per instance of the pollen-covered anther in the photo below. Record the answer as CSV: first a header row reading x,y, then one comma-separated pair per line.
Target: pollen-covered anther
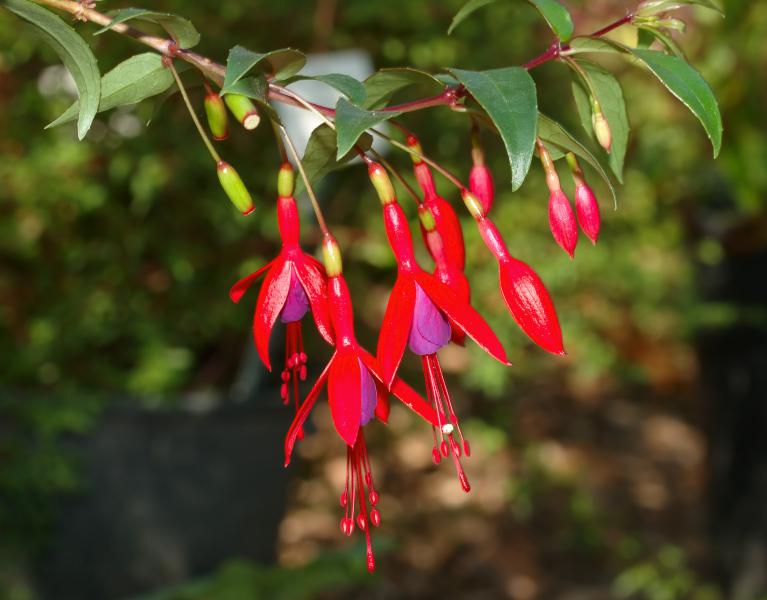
x,y
447,429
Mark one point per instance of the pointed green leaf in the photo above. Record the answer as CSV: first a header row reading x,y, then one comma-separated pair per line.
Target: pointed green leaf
x,y
352,121
662,37
179,28
610,97
559,142
556,16
346,84
282,64
686,84
383,84
320,155
74,53
510,100
132,81
660,6
466,10
586,45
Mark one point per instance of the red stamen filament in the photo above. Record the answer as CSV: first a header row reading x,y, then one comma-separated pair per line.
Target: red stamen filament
x,y
295,365
359,477
447,421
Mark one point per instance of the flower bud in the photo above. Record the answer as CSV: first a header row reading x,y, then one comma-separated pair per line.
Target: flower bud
x,y
381,183
215,110
331,256
427,218
286,181
415,145
244,110
586,205
602,130
562,222
482,186
234,187
473,204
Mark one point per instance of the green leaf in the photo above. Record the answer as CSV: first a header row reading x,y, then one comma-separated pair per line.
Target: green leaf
x,y
610,96
466,10
662,37
686,84
74,53
586,45
383,84
660,6
556,16
559,142
282,64
510,100
179,28
320,155
346,84
132,81
352,121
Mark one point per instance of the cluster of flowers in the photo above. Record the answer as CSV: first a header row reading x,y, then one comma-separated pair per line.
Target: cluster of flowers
x,y
425,312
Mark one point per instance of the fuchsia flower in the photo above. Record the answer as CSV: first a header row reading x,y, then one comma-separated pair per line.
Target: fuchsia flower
x,y
417,317
294,283
585,202
480,178
356,393
561,216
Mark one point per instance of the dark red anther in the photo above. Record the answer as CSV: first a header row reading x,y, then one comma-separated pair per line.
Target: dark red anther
x,y
466,448
435,455
444,449
375,517
344,499
373,497
361,522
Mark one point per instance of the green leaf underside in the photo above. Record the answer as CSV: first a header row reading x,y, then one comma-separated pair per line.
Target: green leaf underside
x,y
282,64
666,40
320,156
556,16
585,45
350,87
74,53
179,28
660,6
684,82
257,89
610,97
133,80
509,98
383,84
352,121
466,10
559,142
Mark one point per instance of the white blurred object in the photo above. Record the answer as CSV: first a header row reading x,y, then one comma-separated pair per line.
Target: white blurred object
x,y
300,122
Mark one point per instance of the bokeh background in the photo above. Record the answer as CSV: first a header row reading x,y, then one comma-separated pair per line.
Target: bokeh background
x,y
140,440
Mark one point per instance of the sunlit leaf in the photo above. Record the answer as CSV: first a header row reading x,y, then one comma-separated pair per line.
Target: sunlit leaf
x,y
281,64
352,121
383,84
556,16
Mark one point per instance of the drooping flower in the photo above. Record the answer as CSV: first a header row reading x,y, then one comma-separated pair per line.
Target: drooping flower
x,y
480,178
417,317
356,393
561,216
586,204
294,283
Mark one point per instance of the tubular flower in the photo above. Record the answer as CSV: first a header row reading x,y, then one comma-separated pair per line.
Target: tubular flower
x,y
480,178
443,236
294,283
561,217
356,393
523,291
417,317
586,204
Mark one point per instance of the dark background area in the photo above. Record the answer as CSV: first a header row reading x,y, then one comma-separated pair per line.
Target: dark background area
x,y
141,442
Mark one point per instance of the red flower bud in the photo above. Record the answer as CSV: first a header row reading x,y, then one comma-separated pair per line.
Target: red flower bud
x,y
482,186
562,222
215,110
588,211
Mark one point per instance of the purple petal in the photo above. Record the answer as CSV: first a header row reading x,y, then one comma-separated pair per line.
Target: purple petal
x,y
296,304
429,331
369,395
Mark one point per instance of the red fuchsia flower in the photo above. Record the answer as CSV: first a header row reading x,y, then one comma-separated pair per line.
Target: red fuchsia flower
x,y
480,178
523,291
294,283
417,317
445,239
356,393
561,216
586,203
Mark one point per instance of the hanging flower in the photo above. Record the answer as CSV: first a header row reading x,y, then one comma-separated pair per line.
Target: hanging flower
x,y
561,216
586,204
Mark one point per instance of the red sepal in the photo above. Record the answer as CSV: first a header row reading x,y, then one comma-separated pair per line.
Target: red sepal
x,y
238,289
395,328
530,304
271,299
344,394
382,403
313,281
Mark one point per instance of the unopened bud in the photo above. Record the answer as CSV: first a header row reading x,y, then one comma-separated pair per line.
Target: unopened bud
x,y
244,110
482,186
586,205
562,222
331,256
215,110
602,130
552,178
473,204
415,146
381,183
234,187
286,181
427,218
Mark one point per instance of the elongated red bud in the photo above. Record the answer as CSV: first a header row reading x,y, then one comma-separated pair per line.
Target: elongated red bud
x,y
602,130
215,110
234,187
482,186
244,110
422,171
586,205
562,222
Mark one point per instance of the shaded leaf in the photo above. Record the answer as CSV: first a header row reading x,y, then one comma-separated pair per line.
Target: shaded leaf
x,y
352,121
466,10
585,45
556,16
510,100
282,64
659,6
179,28
74,53
383,84
665,39
350,87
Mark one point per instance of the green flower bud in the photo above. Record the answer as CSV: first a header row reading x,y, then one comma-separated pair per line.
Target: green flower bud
x,y
602,130
381,183
286,181
331,256
243,110
216,113
234,188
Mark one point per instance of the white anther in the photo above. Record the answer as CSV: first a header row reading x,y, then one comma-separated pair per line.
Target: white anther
x,y
447,429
